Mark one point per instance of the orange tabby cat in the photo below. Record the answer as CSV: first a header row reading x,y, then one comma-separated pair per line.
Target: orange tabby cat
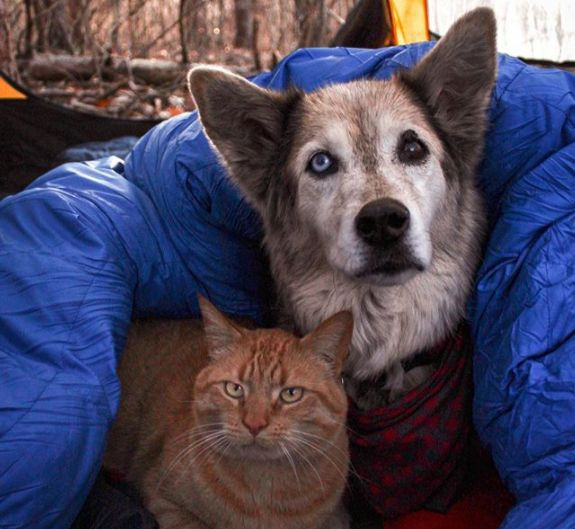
x,y
231,428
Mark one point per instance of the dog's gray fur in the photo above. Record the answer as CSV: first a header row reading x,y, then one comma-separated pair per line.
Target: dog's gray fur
x,y
320,265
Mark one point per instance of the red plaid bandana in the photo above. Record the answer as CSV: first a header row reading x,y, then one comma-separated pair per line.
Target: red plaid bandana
x,y
412,453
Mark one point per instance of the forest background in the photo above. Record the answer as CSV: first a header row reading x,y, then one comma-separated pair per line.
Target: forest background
x,y
129,57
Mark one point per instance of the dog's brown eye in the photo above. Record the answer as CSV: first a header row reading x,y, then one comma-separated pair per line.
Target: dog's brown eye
x,y
410,149
322,163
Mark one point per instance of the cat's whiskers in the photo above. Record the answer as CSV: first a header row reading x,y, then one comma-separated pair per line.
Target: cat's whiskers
x,y
206,441
318,449
320,438
207,426
303,456
208,449
223,452
197,431
352,469
185,453
191,438
291,462
209,438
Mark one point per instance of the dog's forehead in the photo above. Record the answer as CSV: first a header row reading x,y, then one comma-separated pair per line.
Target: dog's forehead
x,y
359,106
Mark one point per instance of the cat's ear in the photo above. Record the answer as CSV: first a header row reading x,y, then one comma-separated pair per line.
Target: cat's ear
x,y
331,340
219,331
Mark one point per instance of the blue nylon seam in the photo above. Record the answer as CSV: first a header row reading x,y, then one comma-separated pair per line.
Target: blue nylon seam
x,y
547,104
48,383
70,342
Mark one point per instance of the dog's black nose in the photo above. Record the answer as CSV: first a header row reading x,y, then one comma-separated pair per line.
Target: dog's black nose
x,y
382,221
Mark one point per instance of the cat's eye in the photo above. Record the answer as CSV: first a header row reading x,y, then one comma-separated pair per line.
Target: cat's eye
x,y
322,163
291,395
236,391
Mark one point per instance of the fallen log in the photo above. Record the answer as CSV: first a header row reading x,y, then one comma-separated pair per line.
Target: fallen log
x,y
48,67
152,71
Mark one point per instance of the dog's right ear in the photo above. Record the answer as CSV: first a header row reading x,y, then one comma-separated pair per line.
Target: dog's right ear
x,y
244,122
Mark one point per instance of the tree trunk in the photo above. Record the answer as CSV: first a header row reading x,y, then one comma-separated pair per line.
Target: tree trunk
x,y
37,14
255,45
58,23
115,33
183,32
311,18
5,39
29,31
244,23
221,22
192,20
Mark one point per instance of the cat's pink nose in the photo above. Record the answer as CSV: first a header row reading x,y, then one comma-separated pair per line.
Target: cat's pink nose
x,y
255,424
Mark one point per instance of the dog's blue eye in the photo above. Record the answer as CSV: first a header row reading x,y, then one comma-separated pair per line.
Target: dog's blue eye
x,y
322,163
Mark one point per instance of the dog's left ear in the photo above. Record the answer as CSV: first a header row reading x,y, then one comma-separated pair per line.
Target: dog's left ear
x,y
455,80
244,122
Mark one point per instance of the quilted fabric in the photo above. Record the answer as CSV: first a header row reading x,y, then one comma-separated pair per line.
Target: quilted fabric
x,y
89,245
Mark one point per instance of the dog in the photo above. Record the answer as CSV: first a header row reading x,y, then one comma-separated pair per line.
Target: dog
x,y
367,193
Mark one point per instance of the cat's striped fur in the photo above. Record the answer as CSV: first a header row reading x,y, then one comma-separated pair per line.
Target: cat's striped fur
x,y
204,459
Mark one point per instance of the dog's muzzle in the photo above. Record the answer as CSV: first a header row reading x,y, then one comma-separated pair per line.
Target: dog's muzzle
x,y
382,225
382,222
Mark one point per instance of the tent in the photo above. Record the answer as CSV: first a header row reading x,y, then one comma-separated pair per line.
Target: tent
x,y
539,30
409,21
377,23
35,132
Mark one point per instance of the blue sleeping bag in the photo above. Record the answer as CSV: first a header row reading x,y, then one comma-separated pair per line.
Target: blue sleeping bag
x,y
90,245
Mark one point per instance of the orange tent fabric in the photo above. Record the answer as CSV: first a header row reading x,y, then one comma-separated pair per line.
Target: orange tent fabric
x,y
7,91
409,21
